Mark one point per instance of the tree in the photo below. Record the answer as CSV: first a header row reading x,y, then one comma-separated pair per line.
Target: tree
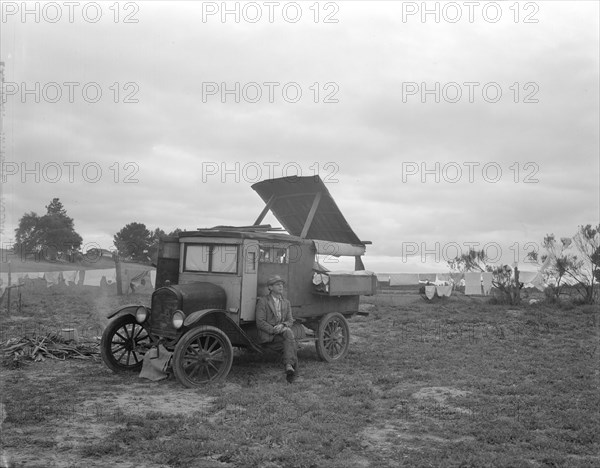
x,y
56,208
28,235
137,243
587,243
595,258
558,263
154,241
59,229
155,237
503,278
52,234
133,242
576,260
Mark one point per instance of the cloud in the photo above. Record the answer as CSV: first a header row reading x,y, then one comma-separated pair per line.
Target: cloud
x,y
176,155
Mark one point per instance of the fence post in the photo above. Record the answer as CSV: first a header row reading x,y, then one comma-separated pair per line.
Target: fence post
x,y
8,289
517,285
118,270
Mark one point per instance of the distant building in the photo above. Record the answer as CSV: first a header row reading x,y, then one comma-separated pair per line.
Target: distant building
x,y
100,253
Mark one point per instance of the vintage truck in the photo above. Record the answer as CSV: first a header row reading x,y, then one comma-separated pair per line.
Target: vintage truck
x,y
208,282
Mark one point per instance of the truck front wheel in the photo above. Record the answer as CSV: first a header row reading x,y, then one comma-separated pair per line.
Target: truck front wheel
x,y
201,356
124,343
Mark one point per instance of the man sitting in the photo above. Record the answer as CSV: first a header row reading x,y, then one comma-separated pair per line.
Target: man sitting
x,y
274,321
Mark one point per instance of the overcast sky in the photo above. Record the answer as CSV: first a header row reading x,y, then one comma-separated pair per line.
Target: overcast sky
x,y
433,130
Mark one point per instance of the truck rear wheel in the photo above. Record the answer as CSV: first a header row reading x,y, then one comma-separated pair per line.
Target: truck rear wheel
x,y
203,355
333,337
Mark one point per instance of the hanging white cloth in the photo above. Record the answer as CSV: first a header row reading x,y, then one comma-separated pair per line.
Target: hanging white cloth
x,y
110,274
444,290
430,291
19,278
3,282
472,283
537,282
52,278
487,278
70,277
139,283
92,277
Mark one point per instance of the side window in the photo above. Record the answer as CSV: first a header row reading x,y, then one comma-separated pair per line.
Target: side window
x,y
274,255
265,255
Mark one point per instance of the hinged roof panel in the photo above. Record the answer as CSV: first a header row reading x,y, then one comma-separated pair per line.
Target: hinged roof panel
x,y
294,200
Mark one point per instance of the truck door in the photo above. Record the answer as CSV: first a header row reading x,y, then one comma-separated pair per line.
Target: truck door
x,y
250,256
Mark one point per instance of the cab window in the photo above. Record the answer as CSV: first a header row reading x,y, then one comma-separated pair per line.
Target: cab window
x,y
211,258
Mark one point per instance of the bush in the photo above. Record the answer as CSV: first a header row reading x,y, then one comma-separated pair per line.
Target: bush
x,y
567,305
550,295
498,300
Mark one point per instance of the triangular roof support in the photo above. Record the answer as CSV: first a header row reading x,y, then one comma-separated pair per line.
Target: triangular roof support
x,y
311,215
265,210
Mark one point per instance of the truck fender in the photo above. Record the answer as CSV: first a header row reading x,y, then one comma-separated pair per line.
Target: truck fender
x,y
219,318
128,309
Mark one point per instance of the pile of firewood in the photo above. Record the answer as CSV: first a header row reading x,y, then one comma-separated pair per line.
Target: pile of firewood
x,y
37,348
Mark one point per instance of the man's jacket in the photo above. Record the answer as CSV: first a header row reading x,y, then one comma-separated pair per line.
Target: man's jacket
x,y
266,318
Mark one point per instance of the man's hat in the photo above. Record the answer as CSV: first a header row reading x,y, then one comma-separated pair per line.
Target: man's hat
x,y
275,279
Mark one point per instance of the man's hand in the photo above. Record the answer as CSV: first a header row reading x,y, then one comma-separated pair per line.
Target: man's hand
x,y
279,328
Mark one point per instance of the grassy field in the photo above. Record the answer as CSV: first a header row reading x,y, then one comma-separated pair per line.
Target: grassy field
x,y
457,382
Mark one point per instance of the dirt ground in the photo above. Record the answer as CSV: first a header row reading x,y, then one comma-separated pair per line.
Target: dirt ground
x,y
455,383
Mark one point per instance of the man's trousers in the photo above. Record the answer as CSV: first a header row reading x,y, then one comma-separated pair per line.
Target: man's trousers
x,y
285,342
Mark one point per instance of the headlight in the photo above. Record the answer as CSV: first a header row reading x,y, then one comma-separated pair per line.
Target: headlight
x,y
141,314
178,318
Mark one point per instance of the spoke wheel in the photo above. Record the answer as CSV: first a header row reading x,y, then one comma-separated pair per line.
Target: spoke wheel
x,y
333,337
201,356
124,343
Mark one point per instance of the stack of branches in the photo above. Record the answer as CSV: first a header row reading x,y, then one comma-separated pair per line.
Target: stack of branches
x,y
37,348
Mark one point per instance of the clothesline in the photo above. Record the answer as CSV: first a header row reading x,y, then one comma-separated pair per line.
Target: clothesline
x,y
82,277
